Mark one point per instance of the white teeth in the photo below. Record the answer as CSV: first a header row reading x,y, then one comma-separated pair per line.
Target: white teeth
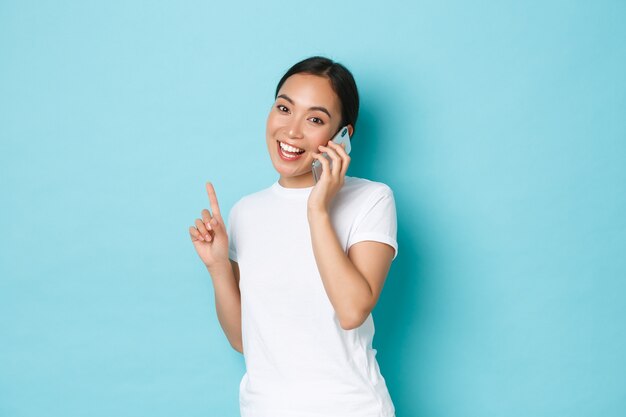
x,y
290,148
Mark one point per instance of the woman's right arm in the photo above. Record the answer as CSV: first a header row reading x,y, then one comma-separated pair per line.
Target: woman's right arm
x,y
228,301
210,239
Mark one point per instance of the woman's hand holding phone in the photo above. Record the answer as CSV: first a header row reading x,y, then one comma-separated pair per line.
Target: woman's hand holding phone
x,y
331,180
209,235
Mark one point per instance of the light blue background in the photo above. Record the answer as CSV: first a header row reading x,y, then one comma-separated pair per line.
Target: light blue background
x,y
500,126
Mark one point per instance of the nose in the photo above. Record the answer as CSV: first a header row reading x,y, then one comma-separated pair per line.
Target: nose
x,y
295,129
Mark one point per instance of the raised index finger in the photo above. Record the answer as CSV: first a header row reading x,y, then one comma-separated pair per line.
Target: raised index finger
x,y
215,208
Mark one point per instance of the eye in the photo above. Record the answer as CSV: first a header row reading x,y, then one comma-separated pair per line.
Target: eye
x,y
282,108
317,120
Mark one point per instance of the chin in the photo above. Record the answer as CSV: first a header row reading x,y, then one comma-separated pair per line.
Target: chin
x,y
288,173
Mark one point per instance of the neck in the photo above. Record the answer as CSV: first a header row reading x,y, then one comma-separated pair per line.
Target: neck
x,y
301,181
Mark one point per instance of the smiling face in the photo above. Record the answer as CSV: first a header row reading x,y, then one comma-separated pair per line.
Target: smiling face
x,y
306,114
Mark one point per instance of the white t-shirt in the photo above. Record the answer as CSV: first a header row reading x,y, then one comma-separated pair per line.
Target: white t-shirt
x,y
299,361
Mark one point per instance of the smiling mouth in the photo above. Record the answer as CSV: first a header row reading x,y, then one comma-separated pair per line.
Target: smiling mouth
x,y
288,152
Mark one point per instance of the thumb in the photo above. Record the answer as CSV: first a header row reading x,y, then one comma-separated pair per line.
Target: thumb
x,y
216,225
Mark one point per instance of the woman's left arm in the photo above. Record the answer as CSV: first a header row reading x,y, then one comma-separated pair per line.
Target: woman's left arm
x,y
354,281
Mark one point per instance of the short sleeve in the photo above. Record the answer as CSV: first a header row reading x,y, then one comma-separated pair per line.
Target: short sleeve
x,y
377,222
232,234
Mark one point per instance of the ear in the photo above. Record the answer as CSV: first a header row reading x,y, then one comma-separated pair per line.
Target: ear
x,y
350,130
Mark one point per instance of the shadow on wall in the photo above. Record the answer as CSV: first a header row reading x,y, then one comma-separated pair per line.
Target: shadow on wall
x,y
397,316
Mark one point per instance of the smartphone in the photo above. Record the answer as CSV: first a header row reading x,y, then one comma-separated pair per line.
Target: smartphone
x,y
341,137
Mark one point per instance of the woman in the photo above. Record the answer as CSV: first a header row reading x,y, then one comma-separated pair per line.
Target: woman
x,y
303,263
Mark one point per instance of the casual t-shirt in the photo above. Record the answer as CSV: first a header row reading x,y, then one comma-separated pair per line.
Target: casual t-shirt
x,y
299,361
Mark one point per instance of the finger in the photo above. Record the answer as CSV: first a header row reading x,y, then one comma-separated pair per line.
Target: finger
x,y
345,158
336,165
203,230
195,235
344,165
341,150
206,219
217,226
215,208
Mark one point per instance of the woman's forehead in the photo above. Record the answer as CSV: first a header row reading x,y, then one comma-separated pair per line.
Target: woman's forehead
x,y
309,90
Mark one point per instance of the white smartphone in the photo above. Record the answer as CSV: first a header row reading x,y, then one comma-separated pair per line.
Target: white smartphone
x,y
341,137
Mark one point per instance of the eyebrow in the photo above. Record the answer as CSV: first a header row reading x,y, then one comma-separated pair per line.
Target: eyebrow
x,y
320,108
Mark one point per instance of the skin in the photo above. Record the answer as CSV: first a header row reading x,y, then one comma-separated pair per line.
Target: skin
x,y
306,114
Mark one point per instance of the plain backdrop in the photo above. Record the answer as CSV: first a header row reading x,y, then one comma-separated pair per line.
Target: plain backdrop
x,y
500,126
